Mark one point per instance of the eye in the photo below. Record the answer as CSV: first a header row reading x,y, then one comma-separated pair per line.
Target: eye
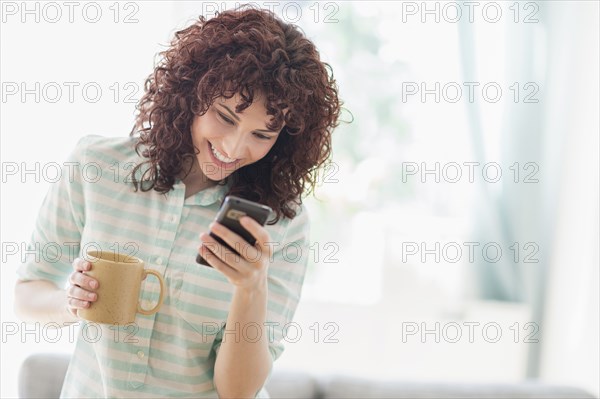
x,y
225,119
262,136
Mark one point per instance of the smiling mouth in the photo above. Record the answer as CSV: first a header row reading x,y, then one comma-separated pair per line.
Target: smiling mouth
x,y
222,159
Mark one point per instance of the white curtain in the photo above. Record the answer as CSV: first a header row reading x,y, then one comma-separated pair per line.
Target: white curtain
x,y
558,215
570,350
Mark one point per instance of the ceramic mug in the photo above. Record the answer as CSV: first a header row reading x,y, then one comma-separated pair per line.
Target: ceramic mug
x,y
120,278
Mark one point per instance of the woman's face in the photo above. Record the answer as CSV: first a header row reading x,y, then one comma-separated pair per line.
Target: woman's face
x,y
228,140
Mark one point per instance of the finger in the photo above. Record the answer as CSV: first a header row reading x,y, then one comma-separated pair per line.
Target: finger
x,y
210,253
221,251
78,304
75,292
72,310
83,280
234,240
259,232
81,265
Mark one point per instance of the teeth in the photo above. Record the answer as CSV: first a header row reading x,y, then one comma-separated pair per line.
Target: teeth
x,y
220,156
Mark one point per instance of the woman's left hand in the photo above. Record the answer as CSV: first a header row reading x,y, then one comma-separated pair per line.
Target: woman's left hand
x,y
249,269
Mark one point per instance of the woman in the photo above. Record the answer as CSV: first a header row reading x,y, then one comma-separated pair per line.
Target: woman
x,y
240,104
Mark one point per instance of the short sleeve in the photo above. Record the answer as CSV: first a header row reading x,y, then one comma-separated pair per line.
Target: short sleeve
x,y
287,270
55,240
286,278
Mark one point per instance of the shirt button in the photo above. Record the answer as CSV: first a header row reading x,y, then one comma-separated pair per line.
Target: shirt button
x,y
140,354
173,218
159,260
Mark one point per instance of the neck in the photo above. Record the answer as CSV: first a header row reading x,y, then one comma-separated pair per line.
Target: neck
x,y
195,180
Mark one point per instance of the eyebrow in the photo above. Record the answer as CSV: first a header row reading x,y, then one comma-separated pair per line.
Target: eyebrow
x,y
238,119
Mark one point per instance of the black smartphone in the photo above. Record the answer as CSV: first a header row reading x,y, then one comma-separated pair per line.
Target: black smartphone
x,y
231,211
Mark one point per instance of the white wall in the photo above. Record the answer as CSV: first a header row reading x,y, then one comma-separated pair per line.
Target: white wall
x,y
37,131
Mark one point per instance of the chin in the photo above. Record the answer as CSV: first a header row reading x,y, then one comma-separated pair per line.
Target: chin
x,y
212,173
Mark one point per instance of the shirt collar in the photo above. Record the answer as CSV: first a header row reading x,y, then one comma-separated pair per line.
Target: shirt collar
x,y
208,196
205,197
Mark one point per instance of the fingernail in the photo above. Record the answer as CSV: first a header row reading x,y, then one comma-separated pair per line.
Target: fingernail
x,y
87,266
93,284
243,219
91,295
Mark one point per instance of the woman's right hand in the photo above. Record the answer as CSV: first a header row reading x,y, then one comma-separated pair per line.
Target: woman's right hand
x,y
81,293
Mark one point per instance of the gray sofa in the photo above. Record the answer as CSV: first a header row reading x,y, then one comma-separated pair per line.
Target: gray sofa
x,y
41,376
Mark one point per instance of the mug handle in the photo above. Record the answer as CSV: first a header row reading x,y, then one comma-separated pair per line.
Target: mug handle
x,y
160,298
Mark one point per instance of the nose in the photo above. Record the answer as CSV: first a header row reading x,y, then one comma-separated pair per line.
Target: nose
x,y
234,145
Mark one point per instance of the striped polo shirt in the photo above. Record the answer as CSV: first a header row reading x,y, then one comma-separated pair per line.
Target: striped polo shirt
x,y
171,353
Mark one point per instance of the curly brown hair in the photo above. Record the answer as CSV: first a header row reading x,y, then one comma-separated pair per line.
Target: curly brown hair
x,y
241,51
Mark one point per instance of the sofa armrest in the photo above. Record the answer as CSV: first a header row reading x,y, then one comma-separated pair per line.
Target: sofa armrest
x,y
352,387
42,375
